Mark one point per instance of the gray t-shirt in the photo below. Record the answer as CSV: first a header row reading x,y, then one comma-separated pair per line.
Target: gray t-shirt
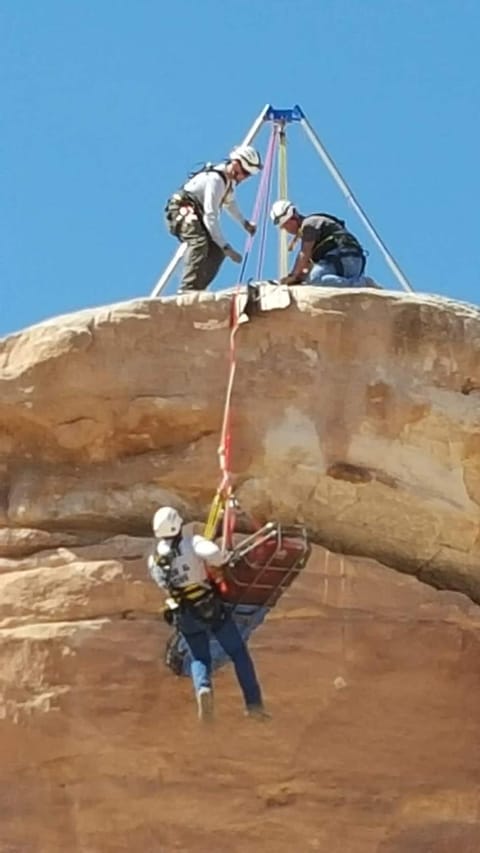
x,y
327,234
317,227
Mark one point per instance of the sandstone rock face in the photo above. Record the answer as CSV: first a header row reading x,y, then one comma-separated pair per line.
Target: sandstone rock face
x,y
355,413
371,677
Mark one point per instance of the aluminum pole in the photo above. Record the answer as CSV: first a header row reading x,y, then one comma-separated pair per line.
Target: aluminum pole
x,y
256,126
332,168
170,269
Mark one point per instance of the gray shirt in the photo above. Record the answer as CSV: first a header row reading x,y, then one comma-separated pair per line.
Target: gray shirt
x,y
317,227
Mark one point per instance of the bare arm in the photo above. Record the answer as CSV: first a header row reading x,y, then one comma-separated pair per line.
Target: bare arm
x,y
301,265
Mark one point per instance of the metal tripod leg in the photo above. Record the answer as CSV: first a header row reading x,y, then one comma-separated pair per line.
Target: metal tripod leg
x,y
170,269
332,168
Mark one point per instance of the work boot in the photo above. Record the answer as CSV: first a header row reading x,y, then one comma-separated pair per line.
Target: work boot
x,y
258,712
205,704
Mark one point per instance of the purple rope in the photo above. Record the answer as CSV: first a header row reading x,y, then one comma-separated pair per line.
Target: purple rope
x,y
265,185
263,240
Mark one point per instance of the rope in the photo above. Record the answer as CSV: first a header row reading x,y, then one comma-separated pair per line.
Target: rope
x,y
282,193
263,239
262,189
225,447
223,501
223,498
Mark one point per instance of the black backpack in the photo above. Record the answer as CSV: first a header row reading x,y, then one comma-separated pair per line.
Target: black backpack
x,y
335,236
329,216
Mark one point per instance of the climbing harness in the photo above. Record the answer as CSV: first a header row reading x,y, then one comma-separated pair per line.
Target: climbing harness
x,y
200,599
184,206
335,238
209,167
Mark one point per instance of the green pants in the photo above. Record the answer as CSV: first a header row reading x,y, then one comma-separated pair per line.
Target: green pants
x,y
203,257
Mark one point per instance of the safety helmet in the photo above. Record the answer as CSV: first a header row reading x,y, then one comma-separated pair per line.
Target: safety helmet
x,y
248,158
282,210
167,522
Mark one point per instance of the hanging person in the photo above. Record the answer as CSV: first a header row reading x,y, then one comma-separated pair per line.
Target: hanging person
x,y
329,254
192,215
184,566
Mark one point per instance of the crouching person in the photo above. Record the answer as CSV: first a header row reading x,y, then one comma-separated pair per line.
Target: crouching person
x,y
185,567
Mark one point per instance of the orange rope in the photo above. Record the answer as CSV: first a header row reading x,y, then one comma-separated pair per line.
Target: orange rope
x,y
225,446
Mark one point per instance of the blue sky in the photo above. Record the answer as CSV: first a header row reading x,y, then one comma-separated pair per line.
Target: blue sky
x,y
105,106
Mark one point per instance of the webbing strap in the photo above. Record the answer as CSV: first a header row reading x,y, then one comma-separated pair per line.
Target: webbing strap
x,y
214,515
191,592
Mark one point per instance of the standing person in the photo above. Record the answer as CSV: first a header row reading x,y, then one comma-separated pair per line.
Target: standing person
x,y
179,565
329,254
192,215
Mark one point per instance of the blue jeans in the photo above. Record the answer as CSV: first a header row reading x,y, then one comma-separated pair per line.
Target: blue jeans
x,y
323,272
247,618
197,637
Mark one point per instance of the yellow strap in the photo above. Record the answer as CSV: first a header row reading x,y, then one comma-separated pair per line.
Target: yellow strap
x,y
282,193
192,591
228,190
214,515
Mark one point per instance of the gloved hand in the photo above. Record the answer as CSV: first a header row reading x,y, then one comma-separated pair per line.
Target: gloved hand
x,y
170,611
232,254
163,554
250,227
169,616
232,558
290,279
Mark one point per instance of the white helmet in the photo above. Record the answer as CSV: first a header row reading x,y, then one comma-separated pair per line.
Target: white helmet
x,y
166,522
282,210
248,157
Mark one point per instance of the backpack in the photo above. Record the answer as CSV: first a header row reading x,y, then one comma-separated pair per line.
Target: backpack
x,y
330,216
335,238
208,167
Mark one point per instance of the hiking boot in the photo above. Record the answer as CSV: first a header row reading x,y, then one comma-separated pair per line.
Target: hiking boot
x,y
205,704
258,712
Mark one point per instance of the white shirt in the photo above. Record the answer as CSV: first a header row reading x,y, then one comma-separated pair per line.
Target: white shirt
x,y
213,194
190,566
